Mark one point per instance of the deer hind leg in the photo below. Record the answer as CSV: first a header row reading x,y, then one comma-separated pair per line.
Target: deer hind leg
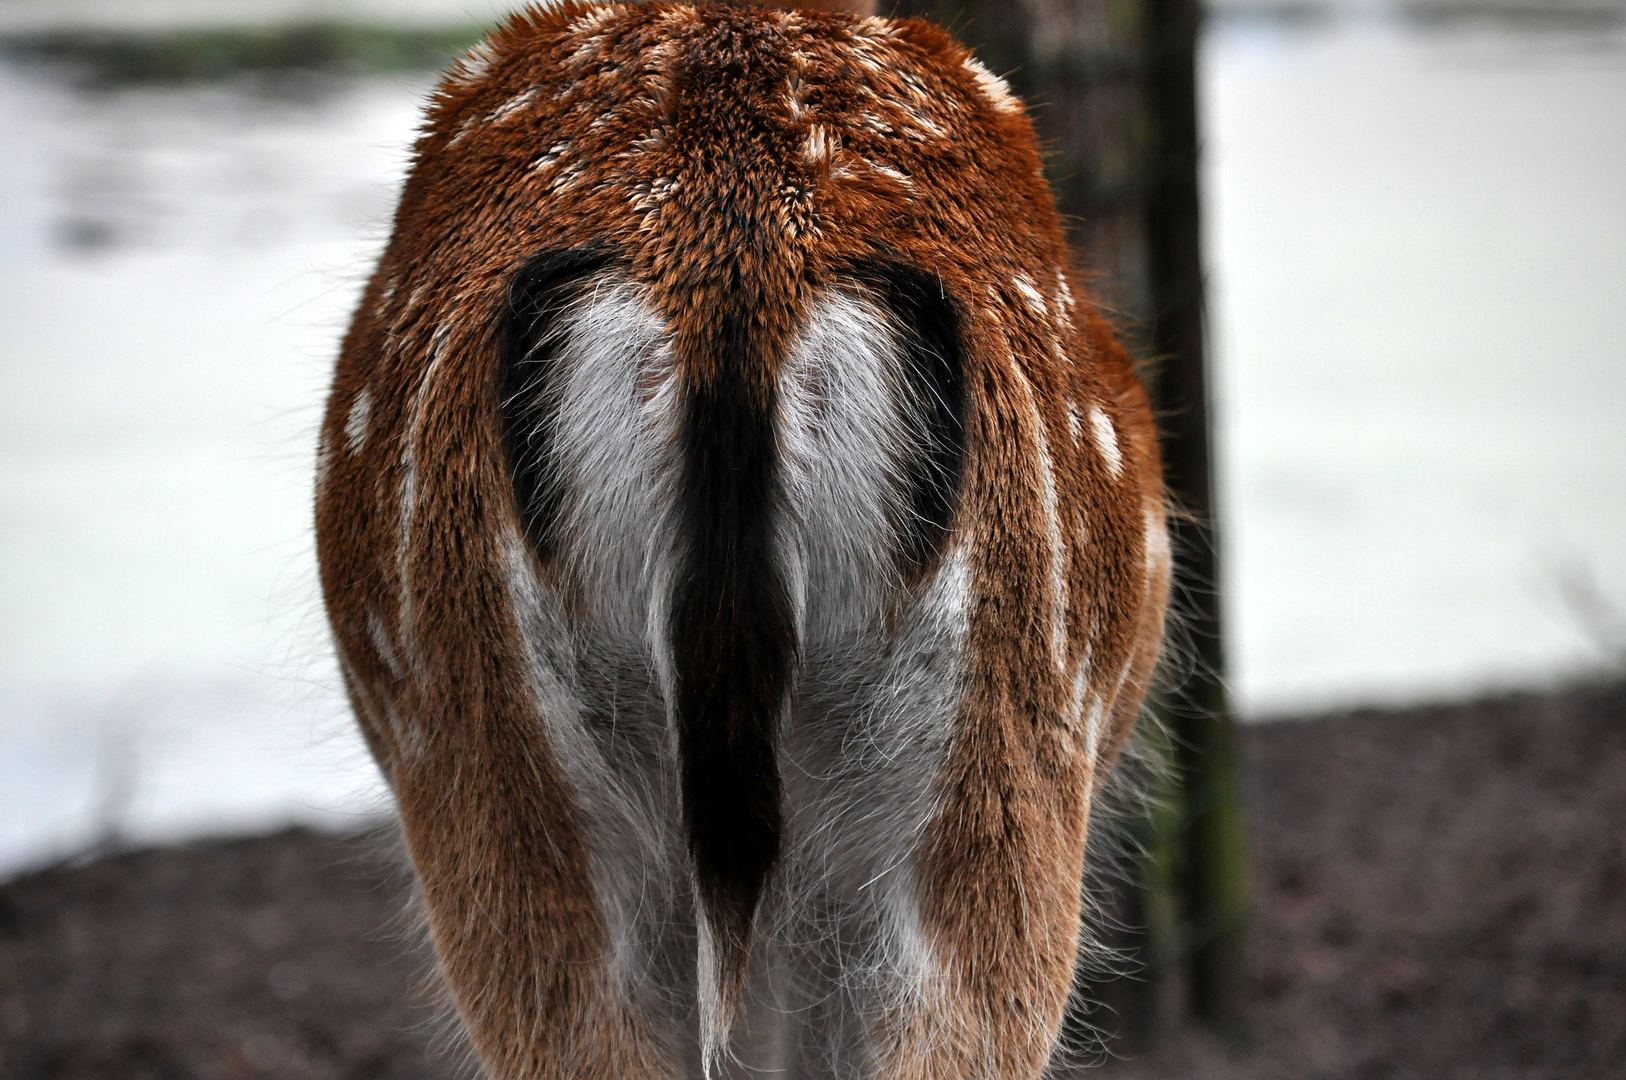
x,y
518,713
1062,625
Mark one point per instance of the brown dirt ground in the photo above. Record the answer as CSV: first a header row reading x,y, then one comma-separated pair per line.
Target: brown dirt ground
x,y
1438,893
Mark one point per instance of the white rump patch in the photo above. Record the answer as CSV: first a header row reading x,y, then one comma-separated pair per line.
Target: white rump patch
x,y
843,435
615,422
1105,437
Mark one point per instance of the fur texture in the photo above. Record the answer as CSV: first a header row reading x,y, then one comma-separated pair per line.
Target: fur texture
x,y
744,554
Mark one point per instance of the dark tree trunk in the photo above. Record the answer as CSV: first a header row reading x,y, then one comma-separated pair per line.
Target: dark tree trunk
x,y
1212,875
1112,85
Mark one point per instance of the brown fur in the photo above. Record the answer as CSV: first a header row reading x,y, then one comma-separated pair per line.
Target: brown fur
x,y
716,148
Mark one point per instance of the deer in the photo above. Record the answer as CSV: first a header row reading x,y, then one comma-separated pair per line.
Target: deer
x,y
745,549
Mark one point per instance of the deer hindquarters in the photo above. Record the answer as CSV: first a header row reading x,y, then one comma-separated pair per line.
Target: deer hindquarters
x,y
745,552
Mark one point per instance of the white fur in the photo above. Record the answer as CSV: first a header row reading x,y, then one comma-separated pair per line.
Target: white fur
x,y
1031,295
473,65
1064,294
407,497
892,174
995,89
357,424
875,704
517,103
1048,502
616,414
842,432
1105,437
594,19
551,158
382,645
872,708
1157,542
820,144
603,678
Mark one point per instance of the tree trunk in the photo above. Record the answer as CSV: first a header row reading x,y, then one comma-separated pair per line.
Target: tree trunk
x,y
1112,85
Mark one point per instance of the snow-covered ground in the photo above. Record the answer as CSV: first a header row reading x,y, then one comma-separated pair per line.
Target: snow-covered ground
x,y
1419,263
1418,251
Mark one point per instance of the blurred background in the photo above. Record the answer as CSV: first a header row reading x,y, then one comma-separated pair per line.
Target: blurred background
x,y
1415,241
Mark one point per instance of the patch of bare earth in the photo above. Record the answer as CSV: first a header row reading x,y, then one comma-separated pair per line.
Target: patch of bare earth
x,y
1438,893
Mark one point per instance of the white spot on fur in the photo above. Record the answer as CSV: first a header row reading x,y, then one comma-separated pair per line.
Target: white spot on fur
x,y
1048,504
473,65
1094,727
1075,426
873,27
407,631
1058,550
1031,295
515,104
1075,700
994,89
568,177
463,130
380,637
1157,541
892,174
1105,437
406,506
356,425
921,126
876,123
820,145
551,158
593,19
793,98
1064,294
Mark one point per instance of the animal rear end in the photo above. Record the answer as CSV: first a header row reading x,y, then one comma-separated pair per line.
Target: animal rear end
x,y
744,553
